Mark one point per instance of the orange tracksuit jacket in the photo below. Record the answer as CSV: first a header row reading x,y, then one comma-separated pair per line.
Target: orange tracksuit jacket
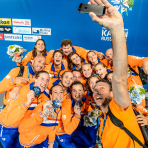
x,y
14,112
29,57
8,82
70,121
54,74
33,130
133,61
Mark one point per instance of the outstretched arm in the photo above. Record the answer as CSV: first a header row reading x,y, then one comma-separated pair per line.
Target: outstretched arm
x,y
113,21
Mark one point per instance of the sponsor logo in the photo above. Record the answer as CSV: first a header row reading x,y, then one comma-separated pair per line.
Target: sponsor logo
x,y
123,6
12,37
43,31
1,37
22,30
5,21
30,38
21,22
6,29
106,36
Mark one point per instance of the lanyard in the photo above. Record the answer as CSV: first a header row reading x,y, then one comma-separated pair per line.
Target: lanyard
x,y
105,118
55,76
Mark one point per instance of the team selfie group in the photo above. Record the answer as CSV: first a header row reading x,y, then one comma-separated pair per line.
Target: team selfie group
x,y
77,98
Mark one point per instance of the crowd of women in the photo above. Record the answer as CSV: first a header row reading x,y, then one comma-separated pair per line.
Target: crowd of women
x,y
30,117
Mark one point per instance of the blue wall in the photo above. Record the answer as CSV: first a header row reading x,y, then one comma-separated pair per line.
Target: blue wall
x,y
65,22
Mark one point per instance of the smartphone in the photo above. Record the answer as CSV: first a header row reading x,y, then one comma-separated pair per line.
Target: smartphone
x,y
97,9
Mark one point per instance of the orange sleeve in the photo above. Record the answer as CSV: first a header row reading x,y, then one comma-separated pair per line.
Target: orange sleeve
x,y
136,61
81,52
70,123
8,82
105,62
49,58
26,59
30,121
17,108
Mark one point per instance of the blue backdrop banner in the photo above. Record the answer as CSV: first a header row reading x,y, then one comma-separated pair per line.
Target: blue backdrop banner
x,y
22,22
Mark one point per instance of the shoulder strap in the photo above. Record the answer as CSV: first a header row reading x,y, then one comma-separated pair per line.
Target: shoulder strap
x,y
119,123
21,72
132,70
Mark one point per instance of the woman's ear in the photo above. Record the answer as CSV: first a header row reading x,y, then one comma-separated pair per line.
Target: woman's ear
x,y
50,96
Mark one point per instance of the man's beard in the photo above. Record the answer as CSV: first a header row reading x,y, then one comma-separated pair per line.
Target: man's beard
x,y
106,101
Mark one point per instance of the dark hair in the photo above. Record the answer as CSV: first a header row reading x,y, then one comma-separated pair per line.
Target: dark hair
x,y
34,50
106,81
60,51
40,72
90,52
66,42
77,83
70,64
50,92
93,76
109,73
76,71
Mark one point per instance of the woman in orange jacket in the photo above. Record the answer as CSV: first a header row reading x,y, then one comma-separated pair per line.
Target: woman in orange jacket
x,y
39,50
75,62
16,110
37,132
70,134
56,68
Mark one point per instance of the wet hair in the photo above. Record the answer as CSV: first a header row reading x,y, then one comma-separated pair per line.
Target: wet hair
x,y
86,64
70,64
94,76
77,83
35,50
60,51
102,64
40,72
66,42
90,52
106,81
50,92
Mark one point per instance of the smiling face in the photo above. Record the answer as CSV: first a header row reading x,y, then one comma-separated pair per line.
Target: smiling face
x,y
67,49
76,76
86,69
102,94
77,92
67,79
38,63
57,59
109,55
101,71
40,46
57,93
92,57
92,82
42,81
75,59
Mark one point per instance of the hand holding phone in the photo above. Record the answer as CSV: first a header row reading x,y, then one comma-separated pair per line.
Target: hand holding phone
x,y
87,8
